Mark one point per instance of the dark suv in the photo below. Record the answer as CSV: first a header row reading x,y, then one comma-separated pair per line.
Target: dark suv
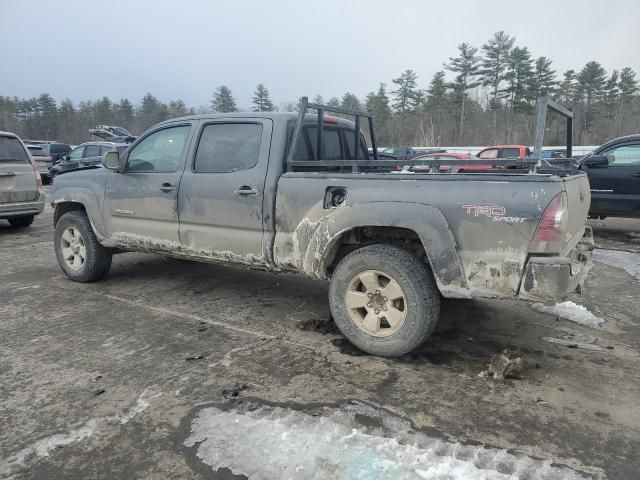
x,y
85,155
55,150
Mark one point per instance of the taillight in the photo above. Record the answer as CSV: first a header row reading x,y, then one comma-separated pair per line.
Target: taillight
x,y
550,234
38,177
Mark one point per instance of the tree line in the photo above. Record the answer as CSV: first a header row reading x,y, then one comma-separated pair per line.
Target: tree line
x,y
480,96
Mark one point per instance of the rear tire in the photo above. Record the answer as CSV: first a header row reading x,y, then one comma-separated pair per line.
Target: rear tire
x,y
78,251
384,300
21,222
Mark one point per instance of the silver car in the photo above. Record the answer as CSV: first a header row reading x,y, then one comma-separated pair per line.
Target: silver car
x,y
21,193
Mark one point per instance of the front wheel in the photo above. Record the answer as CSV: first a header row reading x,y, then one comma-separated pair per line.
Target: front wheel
x,y
384,300
79,253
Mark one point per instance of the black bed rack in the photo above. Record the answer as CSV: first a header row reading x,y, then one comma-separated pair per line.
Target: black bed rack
x,y
320,160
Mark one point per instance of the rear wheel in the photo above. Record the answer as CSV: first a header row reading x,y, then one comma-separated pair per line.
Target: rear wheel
x,y
79,253
384,300
21,222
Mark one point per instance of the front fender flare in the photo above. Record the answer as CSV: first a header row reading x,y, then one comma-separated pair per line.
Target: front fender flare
x,y
87,199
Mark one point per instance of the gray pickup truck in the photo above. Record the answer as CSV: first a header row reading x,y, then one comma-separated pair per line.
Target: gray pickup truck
x,y
225,187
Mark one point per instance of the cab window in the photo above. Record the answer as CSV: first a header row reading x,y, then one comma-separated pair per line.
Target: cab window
x,y
92,151
510,153
159,152
491,153
228,147
624,155
76,153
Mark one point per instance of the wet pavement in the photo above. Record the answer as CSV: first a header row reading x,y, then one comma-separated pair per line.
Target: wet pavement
x,y
115,379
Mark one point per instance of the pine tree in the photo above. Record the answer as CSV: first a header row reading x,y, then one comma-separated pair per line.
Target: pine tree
x,y
103,111
124,113
177,108
628,85
378,104
334,102
591,83
494,64
350,102
407,96
261,101
568,90
466,65
67,118
223,100
544,77
518,76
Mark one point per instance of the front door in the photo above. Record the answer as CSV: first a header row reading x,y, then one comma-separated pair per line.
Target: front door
x,y
615,189
141,203
222,191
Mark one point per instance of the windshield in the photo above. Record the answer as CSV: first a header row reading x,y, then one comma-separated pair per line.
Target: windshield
x,y
11,150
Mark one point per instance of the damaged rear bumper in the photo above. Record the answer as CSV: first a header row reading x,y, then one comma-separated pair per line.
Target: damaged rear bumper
x,y
553,278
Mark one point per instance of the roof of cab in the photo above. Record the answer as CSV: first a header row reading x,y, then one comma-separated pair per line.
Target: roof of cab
x,y
271,115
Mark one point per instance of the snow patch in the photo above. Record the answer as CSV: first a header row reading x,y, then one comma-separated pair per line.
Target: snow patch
x,y
570,311
142,403
42,447
272,442
628,261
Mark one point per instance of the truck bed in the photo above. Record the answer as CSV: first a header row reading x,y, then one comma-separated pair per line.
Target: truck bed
x,y
475,228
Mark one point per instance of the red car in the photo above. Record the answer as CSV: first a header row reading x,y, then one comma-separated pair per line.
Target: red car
x,y
504,151
463,168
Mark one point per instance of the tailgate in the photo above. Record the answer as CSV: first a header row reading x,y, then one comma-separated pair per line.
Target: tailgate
x,y
17,178
578,200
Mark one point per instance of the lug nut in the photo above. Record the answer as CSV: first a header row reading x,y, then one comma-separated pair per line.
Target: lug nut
x,y
369,304
384,298
377,311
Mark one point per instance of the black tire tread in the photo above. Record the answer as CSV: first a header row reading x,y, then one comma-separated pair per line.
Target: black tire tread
x,y
98,261
411,270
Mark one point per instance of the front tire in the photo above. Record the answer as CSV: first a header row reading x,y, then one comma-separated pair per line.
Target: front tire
x,y
21,222
384,300
78,251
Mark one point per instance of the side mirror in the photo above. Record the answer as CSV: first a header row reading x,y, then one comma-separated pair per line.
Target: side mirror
x,y
111,160
597,161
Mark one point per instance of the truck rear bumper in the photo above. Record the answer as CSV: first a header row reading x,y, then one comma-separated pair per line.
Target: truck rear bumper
x,y
553,278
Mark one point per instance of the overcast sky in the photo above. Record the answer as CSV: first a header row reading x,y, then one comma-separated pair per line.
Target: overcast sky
x,y
186,48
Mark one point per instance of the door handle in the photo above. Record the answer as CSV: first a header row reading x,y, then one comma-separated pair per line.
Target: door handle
x,y
167,187
245,191
635,174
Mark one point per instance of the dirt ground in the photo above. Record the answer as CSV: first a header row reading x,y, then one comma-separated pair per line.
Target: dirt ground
x,y
105,380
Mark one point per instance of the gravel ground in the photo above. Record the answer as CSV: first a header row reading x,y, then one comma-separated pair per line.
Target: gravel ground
x,y
137,376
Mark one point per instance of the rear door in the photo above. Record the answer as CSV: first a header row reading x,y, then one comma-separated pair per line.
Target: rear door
x,y
222,190
17,178
615,190
141,203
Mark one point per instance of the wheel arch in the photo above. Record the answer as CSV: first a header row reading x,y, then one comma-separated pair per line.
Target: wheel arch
x,y
419,228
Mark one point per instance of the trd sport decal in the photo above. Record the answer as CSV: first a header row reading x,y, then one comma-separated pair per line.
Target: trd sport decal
x,y
496,213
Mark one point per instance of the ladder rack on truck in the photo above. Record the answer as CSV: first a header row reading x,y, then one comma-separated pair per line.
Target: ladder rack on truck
x,y
371,165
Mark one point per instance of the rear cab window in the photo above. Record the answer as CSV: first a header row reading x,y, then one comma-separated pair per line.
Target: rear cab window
x,y
337,144
510,153
228,147
12,151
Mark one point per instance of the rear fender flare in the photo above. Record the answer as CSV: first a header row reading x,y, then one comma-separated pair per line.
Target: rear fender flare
x,y
425,220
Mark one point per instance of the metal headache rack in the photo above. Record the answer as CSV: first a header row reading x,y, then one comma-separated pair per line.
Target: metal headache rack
x,y
320,160
516,165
